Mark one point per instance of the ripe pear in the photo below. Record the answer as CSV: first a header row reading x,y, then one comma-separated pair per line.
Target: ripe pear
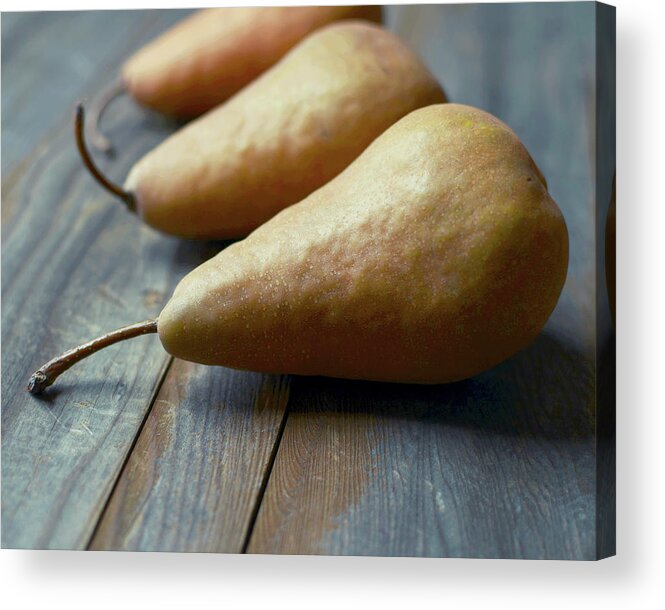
x,y
211,55
434,256
283,136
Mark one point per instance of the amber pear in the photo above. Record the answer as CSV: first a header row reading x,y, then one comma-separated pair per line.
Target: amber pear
x,y
214,53
283,136
436,255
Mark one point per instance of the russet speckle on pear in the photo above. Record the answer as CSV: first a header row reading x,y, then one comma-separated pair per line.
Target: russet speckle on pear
x,y
435,255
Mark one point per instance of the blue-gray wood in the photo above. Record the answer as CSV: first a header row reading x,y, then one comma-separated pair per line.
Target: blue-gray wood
x,y
50,60
76,264
503,465
129,451
194,480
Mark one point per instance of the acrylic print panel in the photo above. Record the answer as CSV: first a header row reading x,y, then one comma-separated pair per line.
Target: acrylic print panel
x,y
135,450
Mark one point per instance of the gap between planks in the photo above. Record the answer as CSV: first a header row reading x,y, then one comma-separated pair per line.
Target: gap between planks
x,y
266,479
158,386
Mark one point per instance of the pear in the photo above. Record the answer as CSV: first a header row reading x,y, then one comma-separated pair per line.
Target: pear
x,y
209,56
283,136
214,53
434,256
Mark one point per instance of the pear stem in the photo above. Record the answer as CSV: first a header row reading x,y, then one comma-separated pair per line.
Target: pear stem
x,y
97,107
126,196
48,373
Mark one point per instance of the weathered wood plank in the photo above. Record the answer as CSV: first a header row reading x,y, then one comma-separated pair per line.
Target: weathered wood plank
x,y
79,264
51,59
74,264
502,465
497,466
194,479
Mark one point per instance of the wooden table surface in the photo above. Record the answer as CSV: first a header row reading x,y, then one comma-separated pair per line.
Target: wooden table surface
x,y
134,450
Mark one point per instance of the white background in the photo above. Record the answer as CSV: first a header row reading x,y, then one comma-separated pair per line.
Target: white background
x,y
633,579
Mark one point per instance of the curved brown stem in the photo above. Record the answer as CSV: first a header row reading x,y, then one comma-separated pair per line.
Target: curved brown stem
x,y
45,375
126,196
97,107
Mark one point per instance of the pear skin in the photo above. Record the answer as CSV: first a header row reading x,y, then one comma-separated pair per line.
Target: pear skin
x,y
211,55
282,137
434,256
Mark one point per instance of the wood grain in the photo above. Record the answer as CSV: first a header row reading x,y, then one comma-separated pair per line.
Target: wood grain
x,y
502,465
74,264
497,466
193,481
52,59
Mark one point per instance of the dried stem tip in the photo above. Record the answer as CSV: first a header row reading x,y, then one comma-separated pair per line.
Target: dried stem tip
x,y
47,374
79,133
